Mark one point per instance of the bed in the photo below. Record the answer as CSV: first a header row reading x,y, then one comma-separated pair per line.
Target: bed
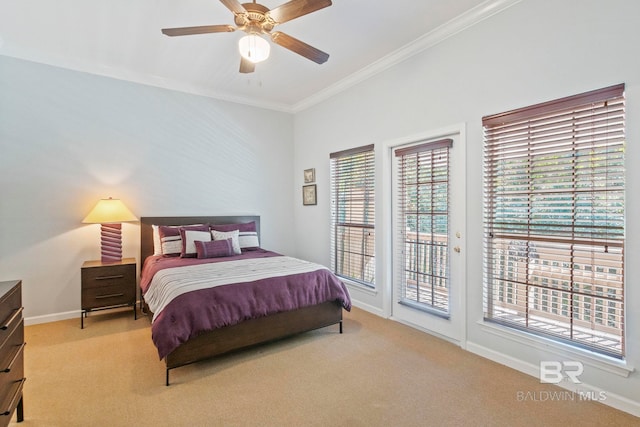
x,y
187,328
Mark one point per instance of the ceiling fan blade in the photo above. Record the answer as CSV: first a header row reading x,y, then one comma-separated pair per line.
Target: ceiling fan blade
x,y
295,9
301,48
234,6
246,66
186,31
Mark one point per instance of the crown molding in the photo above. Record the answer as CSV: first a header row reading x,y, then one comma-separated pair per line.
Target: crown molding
x,y
432,38
141,78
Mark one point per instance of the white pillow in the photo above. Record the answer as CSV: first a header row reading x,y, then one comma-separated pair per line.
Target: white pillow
x,y
249,239
233,235
190,236
157,244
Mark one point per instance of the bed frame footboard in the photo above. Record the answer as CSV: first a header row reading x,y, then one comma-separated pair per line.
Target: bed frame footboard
x,y
253,332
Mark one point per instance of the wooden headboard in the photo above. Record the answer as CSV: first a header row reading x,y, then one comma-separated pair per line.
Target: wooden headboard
x,y
146,231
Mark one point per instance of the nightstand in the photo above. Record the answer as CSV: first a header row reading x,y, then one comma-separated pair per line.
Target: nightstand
x,y
108,285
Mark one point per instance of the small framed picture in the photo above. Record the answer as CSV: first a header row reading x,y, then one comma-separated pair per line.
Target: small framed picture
x,y
309,196
309,175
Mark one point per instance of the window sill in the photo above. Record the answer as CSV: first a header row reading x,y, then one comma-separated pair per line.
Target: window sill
x,y
602,362
359,286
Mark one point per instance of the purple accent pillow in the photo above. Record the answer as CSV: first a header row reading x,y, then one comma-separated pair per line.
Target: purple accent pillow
x,y
214,248
245,226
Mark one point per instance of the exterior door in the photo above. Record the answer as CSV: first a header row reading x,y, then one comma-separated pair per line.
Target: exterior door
x,y
428,243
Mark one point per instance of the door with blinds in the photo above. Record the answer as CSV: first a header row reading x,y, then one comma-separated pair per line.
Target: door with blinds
x,y
428,227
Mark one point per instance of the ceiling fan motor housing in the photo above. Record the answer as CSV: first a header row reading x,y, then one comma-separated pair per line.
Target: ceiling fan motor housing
x,y
256,18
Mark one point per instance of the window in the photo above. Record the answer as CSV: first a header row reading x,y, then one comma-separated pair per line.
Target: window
x,y
422,188
352,215
554,219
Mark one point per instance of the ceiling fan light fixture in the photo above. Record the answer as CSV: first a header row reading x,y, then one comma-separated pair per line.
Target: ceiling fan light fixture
x,y
254,48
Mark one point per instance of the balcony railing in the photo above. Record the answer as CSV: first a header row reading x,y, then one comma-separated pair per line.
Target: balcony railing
x,y
548,293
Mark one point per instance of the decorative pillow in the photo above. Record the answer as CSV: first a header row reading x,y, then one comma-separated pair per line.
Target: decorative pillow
x,y
233,235
171,240
214,248
189,237
248,236
248,240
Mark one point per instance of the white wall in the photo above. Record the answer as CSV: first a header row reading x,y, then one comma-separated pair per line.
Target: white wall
x,y
68,139
535,51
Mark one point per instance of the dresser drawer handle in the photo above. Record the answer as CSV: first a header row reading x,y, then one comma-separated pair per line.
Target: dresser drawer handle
x,y
9,321
109,296
14,399
13,360
115,276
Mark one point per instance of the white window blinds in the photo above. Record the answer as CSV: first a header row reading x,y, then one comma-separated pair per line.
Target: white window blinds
x,y
554,216
352,214
422,244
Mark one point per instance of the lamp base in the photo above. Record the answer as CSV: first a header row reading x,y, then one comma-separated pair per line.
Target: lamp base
x,y
111,242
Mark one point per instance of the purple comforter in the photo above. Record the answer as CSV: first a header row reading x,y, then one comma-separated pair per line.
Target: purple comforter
x,y
196,312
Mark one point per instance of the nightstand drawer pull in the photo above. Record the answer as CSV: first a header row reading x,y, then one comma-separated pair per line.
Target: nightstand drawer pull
x,y
13,360
116,276
109,296
9,321
17,395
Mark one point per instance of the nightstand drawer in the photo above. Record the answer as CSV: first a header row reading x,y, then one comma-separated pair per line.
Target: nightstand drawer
x,y
105,296
108,276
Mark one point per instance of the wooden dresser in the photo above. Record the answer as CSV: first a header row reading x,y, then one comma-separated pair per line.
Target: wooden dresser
x,y
11,351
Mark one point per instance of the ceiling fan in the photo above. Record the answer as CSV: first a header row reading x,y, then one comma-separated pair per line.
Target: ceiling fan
x,y
255,20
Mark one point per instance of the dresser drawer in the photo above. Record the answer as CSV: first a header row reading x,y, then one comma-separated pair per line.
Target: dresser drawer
x,y
105,296
13,335
10,309
111,276
11,360
11,387
12,401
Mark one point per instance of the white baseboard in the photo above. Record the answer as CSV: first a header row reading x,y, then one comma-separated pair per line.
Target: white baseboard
x,y
612,399
35,320
371,309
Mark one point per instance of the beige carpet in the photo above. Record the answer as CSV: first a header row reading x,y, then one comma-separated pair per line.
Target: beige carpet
x,y
378,373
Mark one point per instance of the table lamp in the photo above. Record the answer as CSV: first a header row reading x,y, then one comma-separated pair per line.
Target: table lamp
x,y
110,214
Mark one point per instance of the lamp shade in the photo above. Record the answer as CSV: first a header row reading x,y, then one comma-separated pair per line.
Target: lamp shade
x,y
109,211
254,48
